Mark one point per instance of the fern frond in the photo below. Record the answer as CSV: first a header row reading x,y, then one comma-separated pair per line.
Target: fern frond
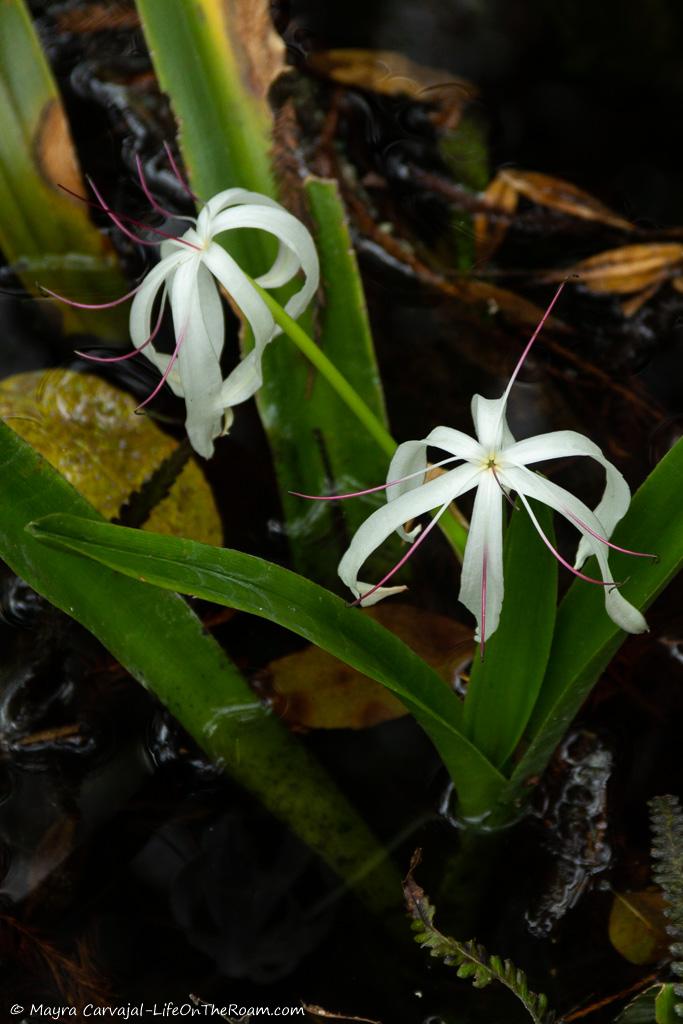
x,y
667,868
470,958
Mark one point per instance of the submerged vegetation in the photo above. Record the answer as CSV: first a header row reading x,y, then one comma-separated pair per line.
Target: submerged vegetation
x,y
273,200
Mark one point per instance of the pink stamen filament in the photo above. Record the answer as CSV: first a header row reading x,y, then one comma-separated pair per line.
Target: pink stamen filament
x,y
178,175
373,490
164,376
401,562
122,227
90,305
150,198
132,220
526,351
558,556
536,333
135,352
615,547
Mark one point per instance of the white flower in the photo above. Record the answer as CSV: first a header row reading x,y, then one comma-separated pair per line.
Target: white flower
x,y
188,272
191,268
493,464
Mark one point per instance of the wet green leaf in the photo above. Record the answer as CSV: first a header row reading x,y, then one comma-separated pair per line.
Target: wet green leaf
x,y
160,641
253,585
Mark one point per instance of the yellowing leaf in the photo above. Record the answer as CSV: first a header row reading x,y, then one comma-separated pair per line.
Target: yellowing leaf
x,y
313,690
87,430
637,926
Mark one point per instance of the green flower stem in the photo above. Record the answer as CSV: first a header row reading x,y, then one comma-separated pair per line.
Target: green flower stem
x,y
455,532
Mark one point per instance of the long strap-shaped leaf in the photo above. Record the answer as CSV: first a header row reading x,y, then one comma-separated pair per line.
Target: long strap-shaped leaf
x,y
45,233
216,59
159,640
585,639
254,585
503,688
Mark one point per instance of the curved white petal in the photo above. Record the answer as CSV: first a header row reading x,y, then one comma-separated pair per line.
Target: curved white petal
x,y
411,457
246,378
140,321
566,443
231,197
292,233
197,363
284,268
490,423
524,481
375,530
483,562
211,309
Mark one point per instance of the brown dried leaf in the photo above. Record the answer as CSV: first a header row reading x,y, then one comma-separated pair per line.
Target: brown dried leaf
x,y
313,690
562,195
490,228
87,430
97,17
637,926
393,74
54,149
627,269
256,45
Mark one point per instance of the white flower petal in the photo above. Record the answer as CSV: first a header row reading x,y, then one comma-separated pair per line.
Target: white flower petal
x,y
288,230
411,457
227,198
197,363
490,423
375,530
483,562
286,265
211,309
566,443
246,378
526,482
140,323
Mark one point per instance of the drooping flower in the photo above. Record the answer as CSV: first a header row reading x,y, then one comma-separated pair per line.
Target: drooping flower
x,y
493,464
187,277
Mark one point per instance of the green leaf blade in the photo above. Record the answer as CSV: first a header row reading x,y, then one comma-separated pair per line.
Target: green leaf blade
x,y
250,584
160,641
585,637
504,687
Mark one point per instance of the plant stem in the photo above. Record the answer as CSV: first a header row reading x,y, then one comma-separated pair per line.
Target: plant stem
x,y
455,531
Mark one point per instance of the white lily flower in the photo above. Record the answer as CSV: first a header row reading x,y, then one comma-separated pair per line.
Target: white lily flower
x,y
191,268
493,464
